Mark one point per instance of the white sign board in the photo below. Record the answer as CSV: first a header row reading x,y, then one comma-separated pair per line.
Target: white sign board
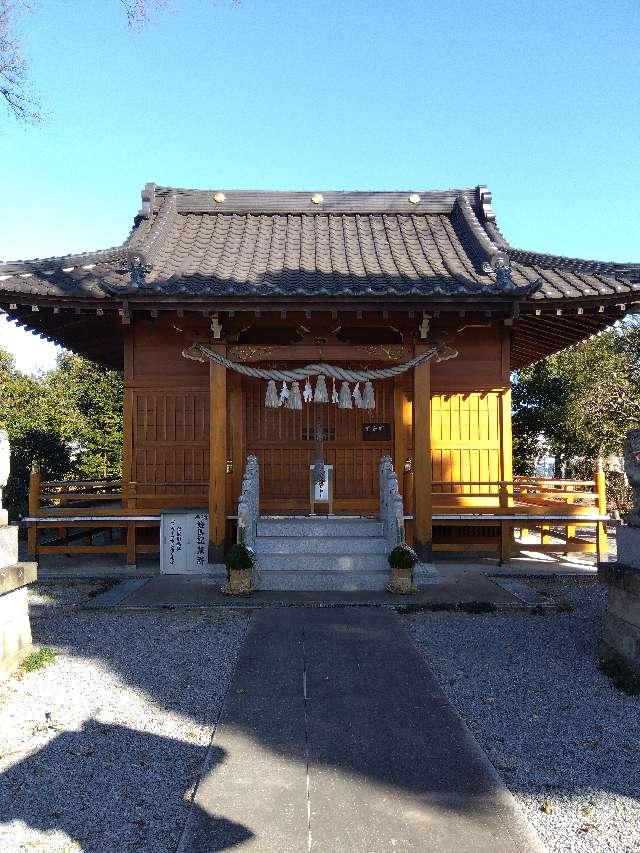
x,y
184,541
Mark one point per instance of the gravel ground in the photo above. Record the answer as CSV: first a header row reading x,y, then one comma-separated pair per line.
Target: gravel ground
x,y
530,690
99,751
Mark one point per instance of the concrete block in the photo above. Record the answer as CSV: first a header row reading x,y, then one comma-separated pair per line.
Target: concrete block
x,y
623,638
628,542
8,545
625,605
20,574
15,630
620,576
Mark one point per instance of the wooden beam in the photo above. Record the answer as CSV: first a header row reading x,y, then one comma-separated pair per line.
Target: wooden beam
x,y
422,508
217,457
388,353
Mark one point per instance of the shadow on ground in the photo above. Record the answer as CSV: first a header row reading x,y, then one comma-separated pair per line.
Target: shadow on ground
x,y
80,771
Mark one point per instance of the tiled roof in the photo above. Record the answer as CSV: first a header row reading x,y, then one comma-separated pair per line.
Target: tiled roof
x,y
431,245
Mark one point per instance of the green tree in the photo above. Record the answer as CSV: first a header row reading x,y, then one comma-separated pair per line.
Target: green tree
x,y
582,401
69,419
91,399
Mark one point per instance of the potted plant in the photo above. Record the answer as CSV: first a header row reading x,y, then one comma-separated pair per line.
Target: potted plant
x,y
240,563
402,560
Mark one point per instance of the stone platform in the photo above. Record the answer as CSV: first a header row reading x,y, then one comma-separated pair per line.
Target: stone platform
x,y
621,632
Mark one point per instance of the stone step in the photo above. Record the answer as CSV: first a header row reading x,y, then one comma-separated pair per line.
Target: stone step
x,y
322,562
325,580
320,545
8,545
319,526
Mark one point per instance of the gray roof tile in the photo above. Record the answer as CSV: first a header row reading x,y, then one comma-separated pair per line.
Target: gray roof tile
x,y
283,243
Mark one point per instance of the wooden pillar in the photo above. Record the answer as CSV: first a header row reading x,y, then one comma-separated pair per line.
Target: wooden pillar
x,y
400,449
506,448
217,458
422,506
235,440
128,492
35,480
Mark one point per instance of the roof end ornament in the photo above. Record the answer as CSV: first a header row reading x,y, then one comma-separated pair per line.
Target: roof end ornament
x,y
484,203
148,196
500,266
138,269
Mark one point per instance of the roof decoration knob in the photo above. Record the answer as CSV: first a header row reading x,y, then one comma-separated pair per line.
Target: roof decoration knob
x,y
317,198
484,203
219,197
414,198
148,196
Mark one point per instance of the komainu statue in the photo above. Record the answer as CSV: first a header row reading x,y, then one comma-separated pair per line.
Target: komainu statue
x,y
632,470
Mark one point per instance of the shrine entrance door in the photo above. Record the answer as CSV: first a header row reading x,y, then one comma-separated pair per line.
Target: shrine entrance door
x,y
284,442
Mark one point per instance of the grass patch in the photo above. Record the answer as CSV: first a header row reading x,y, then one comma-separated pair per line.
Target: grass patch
x,y
37,660
621,674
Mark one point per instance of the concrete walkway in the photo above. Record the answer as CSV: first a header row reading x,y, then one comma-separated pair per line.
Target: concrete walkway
x,y
335,736
184,591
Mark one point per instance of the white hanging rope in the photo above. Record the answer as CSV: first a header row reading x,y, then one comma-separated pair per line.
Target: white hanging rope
x,y
437,352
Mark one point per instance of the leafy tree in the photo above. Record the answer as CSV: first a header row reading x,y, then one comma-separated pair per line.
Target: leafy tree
x,y
91,398
69,419
582,401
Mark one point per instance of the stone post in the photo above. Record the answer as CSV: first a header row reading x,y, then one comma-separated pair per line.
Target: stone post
x,y
621,635
15,630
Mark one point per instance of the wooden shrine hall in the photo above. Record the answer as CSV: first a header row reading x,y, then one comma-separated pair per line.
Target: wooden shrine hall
x,y
359,281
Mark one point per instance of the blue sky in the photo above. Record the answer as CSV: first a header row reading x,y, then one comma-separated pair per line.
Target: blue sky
x,y
537,100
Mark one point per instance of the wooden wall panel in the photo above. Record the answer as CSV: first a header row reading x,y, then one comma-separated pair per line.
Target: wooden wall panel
x,y
282,439
170,460
167,424
465,438
167,415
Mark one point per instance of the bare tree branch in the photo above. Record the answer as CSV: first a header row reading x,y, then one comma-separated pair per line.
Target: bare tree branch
x,y
139,12
14,83
15,88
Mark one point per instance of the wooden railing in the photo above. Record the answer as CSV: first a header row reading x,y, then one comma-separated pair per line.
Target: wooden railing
x,y
468,516
467,513
80,511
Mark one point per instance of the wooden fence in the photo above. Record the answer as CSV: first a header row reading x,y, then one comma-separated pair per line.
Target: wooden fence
x,y
485,515
88,517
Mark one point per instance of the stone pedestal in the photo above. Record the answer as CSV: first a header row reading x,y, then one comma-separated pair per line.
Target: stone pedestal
x,y
628,541
621,633
15,630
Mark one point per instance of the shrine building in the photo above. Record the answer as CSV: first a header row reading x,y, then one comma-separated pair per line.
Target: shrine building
x,y
210,282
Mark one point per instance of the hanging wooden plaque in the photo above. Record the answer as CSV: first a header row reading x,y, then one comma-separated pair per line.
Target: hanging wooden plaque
x,y
376,432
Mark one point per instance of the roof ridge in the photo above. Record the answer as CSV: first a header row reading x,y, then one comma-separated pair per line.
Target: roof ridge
x,y
302,201
495,255
146,245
